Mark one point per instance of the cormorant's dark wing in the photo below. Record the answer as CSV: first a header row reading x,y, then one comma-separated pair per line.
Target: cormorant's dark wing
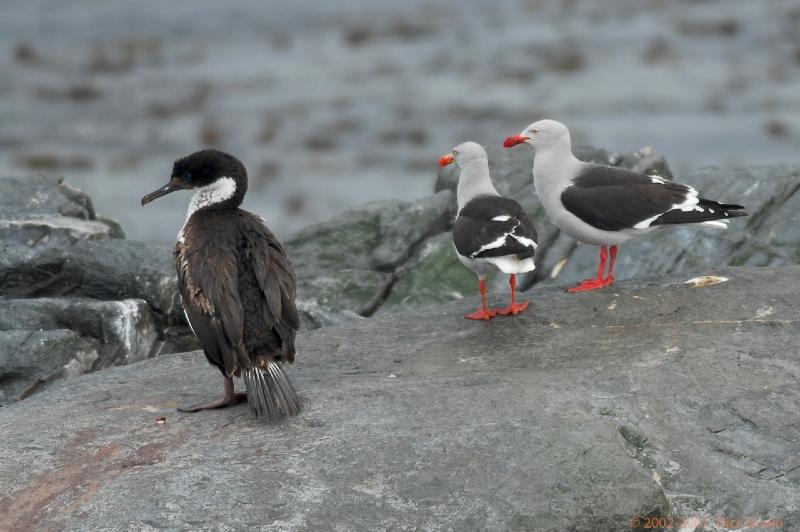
x,y
276,279
493,226
208,283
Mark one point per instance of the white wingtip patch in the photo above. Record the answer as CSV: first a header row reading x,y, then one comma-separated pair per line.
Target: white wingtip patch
x,y
690,203
717,224
491,245
524,240
644,224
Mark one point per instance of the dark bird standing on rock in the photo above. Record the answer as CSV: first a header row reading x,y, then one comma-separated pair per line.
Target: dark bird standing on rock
x,y
237,285
490,231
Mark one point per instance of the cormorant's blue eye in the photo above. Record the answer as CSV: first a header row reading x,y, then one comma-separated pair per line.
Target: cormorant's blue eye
x,y
187,176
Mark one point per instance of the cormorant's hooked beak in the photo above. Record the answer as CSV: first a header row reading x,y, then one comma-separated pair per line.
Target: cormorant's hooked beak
x,y
175,183
444,160
513,141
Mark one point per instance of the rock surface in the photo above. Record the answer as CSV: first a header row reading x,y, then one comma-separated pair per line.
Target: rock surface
x,y
352,262
38,208
116,332
32,359
70,284
676,400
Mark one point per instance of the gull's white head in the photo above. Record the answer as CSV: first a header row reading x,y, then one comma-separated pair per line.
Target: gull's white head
x,y
542,135
464,154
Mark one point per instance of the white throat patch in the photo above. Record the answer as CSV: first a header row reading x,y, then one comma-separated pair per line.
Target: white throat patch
x,y
220,190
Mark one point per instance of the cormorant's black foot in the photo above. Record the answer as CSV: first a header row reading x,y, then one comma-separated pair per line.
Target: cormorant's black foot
x,y
229,398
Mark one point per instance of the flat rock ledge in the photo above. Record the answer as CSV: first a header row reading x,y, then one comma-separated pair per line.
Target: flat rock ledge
x,y
673,399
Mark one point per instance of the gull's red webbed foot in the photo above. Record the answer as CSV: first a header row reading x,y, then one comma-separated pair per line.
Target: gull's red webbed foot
x,y
599,281
481,314
514,307
589,284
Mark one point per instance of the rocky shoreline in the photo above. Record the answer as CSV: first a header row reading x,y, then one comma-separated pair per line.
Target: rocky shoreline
x,y
77,296
658,398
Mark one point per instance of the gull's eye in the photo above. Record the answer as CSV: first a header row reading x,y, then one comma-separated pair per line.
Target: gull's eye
x,y
187,176
455,152
534,131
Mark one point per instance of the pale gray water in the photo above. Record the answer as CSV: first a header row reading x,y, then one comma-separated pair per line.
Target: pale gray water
x,y
330,106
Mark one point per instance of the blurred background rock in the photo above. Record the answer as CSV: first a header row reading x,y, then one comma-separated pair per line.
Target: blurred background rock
x,y
334,104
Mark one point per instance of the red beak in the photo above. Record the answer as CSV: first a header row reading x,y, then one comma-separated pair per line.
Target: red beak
x,y
446,159
510,142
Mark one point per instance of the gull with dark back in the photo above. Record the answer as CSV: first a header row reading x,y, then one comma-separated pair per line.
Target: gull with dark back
x,y
605,206
490,231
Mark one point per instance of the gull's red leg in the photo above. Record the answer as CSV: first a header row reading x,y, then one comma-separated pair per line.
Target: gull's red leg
x,y
514,307
482,313
598,282
603,258
609,280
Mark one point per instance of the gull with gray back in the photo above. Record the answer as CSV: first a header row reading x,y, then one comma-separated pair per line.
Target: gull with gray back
x,y
606,206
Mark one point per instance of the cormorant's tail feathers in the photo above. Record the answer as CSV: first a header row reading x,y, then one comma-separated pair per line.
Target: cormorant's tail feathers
x,y
270,394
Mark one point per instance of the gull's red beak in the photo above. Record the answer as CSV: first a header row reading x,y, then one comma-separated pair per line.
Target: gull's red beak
x,y
446,159
510,142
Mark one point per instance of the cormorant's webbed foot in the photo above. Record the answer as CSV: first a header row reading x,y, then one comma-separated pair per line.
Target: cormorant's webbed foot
x,y
228,398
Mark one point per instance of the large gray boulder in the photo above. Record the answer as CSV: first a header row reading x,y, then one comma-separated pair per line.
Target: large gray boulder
x,y
32,359
433,274
103,269
68,277
663,399
54,244
348,265
123,331
38,209
56,330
